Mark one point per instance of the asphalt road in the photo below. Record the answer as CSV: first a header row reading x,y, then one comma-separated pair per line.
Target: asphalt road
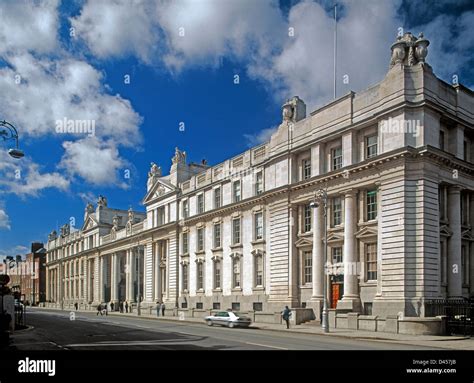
x,y
54,330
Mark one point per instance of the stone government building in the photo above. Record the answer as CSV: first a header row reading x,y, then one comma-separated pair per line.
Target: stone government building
x,y
397,162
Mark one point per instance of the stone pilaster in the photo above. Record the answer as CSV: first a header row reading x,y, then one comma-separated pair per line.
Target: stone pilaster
x,y
454,242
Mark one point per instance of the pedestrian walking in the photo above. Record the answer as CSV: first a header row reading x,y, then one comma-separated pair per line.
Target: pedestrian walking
x,y
76,306
163,307
99,309
121,306
286,314
111,306
158,307
126,307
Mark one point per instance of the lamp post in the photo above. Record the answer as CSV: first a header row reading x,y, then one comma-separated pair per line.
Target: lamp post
x,y
321,197
9,132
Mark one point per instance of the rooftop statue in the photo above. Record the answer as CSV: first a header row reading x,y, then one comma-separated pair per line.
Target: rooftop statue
x,y
155,170
409,50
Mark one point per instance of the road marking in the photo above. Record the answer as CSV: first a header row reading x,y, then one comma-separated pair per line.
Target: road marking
x,y
266,345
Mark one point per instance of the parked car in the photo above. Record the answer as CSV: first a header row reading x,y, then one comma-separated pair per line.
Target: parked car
x,y
228,318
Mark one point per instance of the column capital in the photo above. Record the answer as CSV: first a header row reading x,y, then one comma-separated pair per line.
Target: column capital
x,y
348,193
454,189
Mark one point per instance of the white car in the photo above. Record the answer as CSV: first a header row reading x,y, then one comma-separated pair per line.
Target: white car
x,y
228,318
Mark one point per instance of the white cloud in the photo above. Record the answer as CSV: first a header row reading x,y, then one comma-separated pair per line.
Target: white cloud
x,y
4,220
260,137
118,28
95,161
27,25
12,251
24,178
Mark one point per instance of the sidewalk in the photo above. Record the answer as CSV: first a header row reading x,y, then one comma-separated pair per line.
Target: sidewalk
x,y
445,342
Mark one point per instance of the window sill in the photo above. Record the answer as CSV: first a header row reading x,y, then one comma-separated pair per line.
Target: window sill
x,y
215,249
200,252
368,283
258,288
236,290
308,286
235,246
218,290
258,242
200,291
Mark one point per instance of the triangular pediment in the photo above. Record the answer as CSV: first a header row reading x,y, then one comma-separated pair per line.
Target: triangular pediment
x,y
335,237
445,231
89,223
466,235
304,242
366,232
159,189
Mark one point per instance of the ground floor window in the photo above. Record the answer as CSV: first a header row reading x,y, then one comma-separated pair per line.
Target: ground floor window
x,y
257,306
235,306
236,272
185,277
371,261
200,276
199,305
216,306
307,267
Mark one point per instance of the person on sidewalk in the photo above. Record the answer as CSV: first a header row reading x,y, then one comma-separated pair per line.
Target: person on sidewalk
x,y
158,308
286,314
163,307
111,306
76,306
99,309
121,306
126,307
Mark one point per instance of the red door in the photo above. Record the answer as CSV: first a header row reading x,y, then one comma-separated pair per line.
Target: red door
x,y
336,293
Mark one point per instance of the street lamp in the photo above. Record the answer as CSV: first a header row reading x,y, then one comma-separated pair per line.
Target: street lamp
x,y
321,197
9,132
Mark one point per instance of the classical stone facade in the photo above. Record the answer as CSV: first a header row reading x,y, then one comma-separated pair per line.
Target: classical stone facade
x,y
396,161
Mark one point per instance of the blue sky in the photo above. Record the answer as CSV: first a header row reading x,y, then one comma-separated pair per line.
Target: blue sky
x,y
68,60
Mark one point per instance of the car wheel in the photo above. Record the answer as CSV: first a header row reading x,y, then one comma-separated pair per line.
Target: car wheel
x,y
231,324
209,323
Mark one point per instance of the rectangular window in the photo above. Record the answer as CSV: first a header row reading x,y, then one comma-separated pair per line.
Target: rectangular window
x,y
441,202
236,272
185,243
184,305
307,219
371,257
371,145
257,306
217,275
235,306
185,277
200,203
441,139
336,211
236,191
217,198
306,168
307,267
258,270
199,306
200,239
336,158
259,183
336,255
371,205
236,231
465,151
217,235
200,276
258,226
464,266
161,215
185,209
216,306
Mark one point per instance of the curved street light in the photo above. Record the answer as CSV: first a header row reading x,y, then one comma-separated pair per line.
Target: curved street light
x,y
9,132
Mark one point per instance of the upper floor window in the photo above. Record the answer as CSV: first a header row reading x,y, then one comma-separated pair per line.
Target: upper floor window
x,y
259,183
217,274
336,255
307,218
371,146
200,239
236,193
336,211
236,231
185,209
258,226
217,198
306,169
217,235
200,203
336,158
371,205
161,215
441,139
258,270
185,246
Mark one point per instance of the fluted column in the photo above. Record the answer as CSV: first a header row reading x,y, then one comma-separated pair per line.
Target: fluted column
x,y
454,242
318,252
101,279
350,299
114,278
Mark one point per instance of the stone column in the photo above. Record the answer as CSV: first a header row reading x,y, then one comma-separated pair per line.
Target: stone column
x,y
130,276
114,279
292,257
167,269
101,279
350,300
454,242
157,276
318,255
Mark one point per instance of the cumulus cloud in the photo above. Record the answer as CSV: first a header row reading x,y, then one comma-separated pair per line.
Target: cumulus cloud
x,y
25,178
4,220
95,161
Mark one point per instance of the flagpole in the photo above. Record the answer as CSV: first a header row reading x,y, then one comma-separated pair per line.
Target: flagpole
x,y
335,46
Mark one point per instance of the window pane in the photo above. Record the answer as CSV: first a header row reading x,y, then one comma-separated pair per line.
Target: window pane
x,y
306,165
336,211
236,231
308,266
236,190
336,155
371,257
217,198
371,144
259,183
258,226
371,205
307,219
